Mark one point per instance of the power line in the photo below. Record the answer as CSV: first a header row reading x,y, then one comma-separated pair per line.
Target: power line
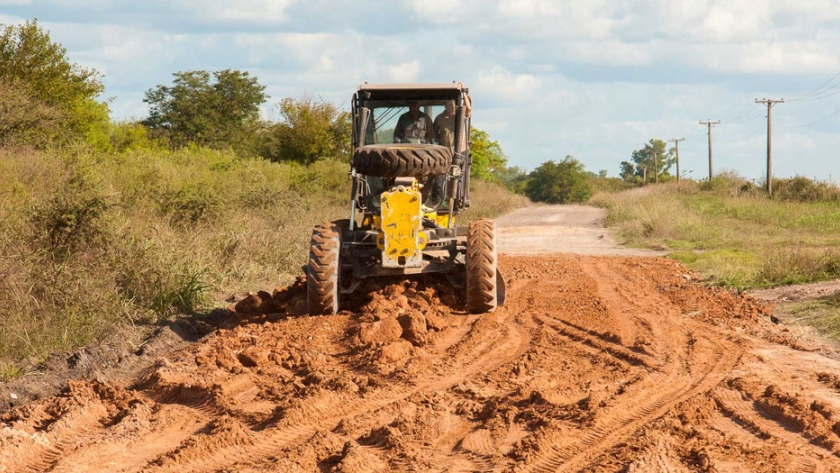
x,y
818,88
750,134
746,118
746,111
815,122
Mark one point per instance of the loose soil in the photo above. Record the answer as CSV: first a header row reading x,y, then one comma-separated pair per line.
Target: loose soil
x,y
595,363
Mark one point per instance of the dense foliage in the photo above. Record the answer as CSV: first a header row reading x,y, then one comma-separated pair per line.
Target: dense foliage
x,y
61,97
309,130
488,160
559,183
219,109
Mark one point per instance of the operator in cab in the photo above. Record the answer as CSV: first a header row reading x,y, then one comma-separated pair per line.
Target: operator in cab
x,y
414,126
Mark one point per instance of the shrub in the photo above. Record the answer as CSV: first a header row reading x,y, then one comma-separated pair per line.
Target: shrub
x,y
309,130
802,189
73,216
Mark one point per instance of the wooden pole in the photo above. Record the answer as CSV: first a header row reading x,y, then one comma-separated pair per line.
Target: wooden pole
x,y
676,142
710,124
769,103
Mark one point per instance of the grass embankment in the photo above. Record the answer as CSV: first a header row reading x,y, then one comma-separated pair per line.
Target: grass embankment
x,y
90,242
731,232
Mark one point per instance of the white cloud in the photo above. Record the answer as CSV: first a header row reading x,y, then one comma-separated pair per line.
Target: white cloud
x,y
405,72
506,86
438,11
251,11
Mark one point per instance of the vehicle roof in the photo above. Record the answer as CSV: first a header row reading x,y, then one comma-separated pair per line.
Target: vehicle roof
x,y
441,86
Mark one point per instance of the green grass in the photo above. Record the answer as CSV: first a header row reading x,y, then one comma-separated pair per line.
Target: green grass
x,y
90,241
731,231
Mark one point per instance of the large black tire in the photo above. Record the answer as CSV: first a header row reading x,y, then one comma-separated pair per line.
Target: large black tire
x,y
402,160
322,285
482,261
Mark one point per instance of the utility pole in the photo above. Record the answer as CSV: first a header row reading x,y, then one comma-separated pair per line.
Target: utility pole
x,y
710,124
769,103
676,142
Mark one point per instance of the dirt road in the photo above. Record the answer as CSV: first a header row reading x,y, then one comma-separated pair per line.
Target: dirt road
x,y
596,363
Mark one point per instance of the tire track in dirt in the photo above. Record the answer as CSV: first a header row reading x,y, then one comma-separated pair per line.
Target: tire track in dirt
x,y
696,367
505,344
595,364
743,414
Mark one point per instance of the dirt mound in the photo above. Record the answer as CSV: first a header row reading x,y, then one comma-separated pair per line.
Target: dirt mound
x,y
594,364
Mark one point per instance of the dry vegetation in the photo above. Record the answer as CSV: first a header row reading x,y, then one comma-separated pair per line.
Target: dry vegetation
x,y
731,231
90,241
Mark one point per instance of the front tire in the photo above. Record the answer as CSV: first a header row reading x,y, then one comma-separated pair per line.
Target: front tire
x,y
322,283
482,262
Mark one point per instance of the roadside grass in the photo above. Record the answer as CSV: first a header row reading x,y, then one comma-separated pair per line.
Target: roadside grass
x,y
92,241
823,314
731,232
489,200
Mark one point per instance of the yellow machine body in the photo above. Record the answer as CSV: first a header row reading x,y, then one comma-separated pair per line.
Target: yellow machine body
x,y
401,236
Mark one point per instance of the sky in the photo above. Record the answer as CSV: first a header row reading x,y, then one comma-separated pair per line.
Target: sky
x,y
593,79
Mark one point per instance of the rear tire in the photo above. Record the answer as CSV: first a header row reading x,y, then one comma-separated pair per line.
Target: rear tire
x,y
322,282
482,262
402,160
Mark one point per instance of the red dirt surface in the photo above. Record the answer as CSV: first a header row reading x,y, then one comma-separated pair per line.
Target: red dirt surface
x,y
595,364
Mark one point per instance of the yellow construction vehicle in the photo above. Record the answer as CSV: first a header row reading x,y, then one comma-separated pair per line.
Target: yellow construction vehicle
x,y
410,178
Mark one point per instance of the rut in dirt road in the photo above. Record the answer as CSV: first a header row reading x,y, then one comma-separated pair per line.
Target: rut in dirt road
x,y
594,364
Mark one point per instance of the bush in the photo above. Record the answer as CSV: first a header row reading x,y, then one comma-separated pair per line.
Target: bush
x,y
729,183
309,130
802,189
73,216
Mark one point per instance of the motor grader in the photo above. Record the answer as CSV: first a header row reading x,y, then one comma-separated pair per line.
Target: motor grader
x,y
410,179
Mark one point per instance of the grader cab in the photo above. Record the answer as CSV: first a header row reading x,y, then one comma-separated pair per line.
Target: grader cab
x,y
410,176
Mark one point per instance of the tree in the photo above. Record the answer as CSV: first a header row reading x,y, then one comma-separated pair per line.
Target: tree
x,y
488,159
219,109
646,166
559,183
514,178
309,130
39,72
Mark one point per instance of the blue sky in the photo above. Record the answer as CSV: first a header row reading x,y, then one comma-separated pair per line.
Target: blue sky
x,y
593,79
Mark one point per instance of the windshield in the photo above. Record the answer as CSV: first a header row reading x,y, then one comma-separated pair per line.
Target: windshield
x,y
430,122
